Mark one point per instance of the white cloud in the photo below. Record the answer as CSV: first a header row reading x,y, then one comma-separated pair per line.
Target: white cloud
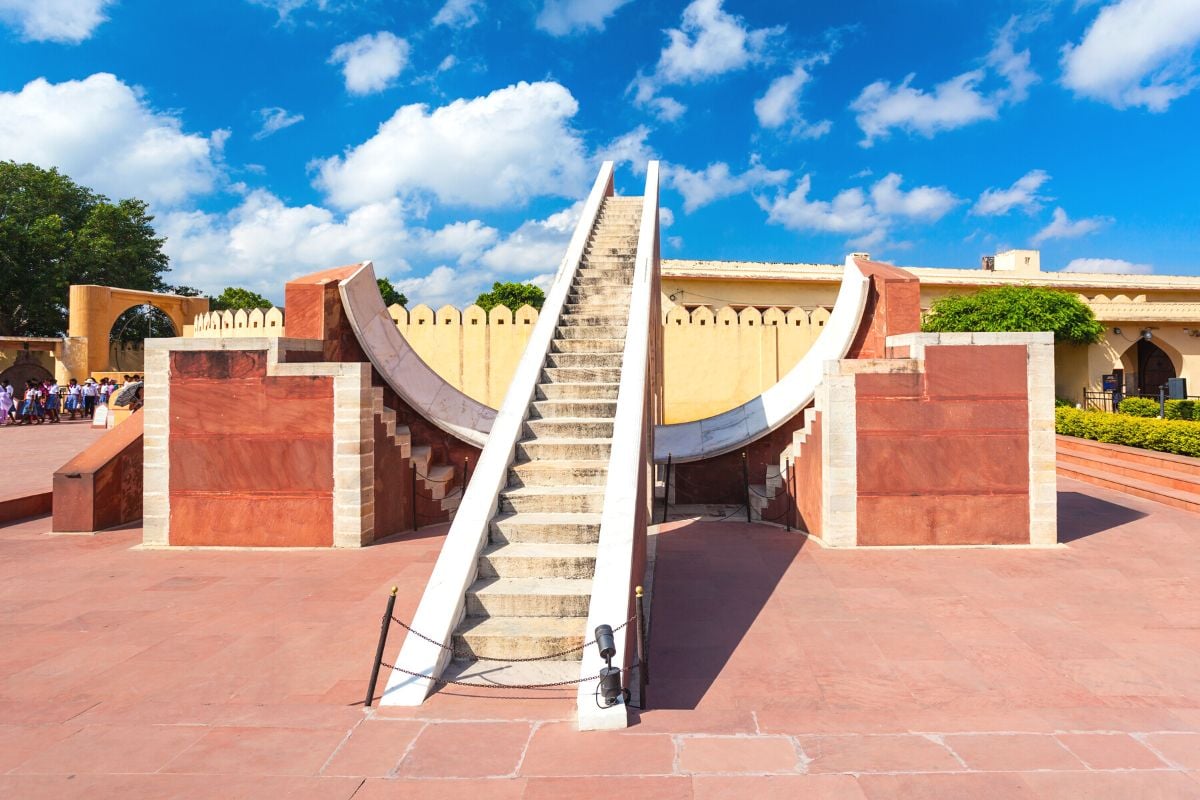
x,y
67,21
1111,266
465,241
708,42
275,119
717,181
780,105
104,134
458,13
867,216
536,246
447,63
1136,53
929,203
959,101
496,150
563,17
1063,227
629,148
666,217
372,62
1023,194
444,286
285,8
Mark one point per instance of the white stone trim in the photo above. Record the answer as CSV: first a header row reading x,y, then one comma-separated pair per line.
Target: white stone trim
x,y
442,605
353,459
836,401
725,432
156,434
625,494
1043,471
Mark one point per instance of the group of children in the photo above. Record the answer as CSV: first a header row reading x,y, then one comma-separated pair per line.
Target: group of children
x,y
42,400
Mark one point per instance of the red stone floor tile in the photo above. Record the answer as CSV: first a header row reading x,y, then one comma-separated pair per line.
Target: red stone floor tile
x,y
442,789
1135,785
557,749
192,787
373,749
1181,749
259,751
1012,752
730,754
466,750
699,720
44,448
659,788
21,742
876,753
776,787
933,786
1110,751
113,749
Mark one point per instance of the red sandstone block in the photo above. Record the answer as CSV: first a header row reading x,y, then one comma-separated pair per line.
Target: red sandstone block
x,y
984,786
899,463
557,749
259,751
374,748
882,753
934,415
976,371
1012,752
1178,748
274,463
900,384
737,754
954,519
605,786
447,789
252,520
466,750
218,364
1110,751
301,405
776,787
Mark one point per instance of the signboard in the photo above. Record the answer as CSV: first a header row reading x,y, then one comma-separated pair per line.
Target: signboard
x,y
1111,384
100,418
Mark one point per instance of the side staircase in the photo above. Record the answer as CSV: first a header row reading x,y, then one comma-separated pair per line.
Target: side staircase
x,y
435,481
1162,477
534,579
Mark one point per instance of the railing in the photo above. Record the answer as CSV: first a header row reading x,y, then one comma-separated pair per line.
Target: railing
x,y
442,604
628,491
1103,401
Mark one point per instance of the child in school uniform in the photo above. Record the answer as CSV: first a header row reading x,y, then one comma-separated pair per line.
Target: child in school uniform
x,y
51,400
73,404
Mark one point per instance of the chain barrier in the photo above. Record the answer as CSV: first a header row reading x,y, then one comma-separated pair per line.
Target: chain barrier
x,y
493,684
457,654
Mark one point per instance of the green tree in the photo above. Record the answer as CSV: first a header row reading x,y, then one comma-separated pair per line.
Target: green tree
x,y
1016,309
513,295
54,233
235,297
391,295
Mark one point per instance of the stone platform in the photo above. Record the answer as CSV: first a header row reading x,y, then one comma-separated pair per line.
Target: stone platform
x,y
780,669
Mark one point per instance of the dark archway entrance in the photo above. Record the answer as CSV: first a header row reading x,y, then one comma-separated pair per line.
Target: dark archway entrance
x,y
1154,367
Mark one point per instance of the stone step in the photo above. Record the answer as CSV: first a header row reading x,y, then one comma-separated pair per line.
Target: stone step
x,y
569,428
587,284
491,675
598,308
609,250
563,450
565,528
1176,498
549,473
543,560
581,374
606,296
593,319
587,345
593,409
576,391
550,499
590,332
584,359
529,597
504,638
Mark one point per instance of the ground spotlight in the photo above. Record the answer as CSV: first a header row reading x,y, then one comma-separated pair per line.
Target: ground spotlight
x,y
606,643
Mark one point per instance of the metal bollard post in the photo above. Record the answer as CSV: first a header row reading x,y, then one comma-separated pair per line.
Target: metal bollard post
x,y
414,494
1162,401
746,483
787,514
383,632
793,505
642,645
466,473
667,489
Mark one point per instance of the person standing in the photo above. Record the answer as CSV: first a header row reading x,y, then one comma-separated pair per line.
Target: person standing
x,y
89,398
52,400
7,388
73,405
6,402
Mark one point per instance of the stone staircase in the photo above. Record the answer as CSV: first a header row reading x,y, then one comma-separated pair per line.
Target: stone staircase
x,y
434,481
1162,477
534,579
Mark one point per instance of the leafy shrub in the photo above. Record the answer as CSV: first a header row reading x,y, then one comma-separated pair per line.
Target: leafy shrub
x,y
1181,409
1138,407
1061,403
1164,435
1016,309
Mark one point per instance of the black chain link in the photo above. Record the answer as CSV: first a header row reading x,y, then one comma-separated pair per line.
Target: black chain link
x,y
493,684
457,654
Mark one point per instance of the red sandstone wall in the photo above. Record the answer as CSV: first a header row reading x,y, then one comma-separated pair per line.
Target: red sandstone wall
x,y
808,481
101,487
943,457
893,307
251,456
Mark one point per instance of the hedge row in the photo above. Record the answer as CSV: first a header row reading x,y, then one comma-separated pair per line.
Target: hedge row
x,y
1164,435
1145,407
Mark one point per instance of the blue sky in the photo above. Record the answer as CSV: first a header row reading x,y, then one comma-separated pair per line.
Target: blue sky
x,y
450,141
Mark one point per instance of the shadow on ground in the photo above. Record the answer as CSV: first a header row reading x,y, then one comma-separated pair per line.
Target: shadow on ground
x,y
710,583
1081,515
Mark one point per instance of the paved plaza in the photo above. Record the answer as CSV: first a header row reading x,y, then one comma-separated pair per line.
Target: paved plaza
x,y
780,669
35,451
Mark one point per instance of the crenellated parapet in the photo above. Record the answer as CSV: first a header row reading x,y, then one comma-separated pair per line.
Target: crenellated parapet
x,y
256,322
